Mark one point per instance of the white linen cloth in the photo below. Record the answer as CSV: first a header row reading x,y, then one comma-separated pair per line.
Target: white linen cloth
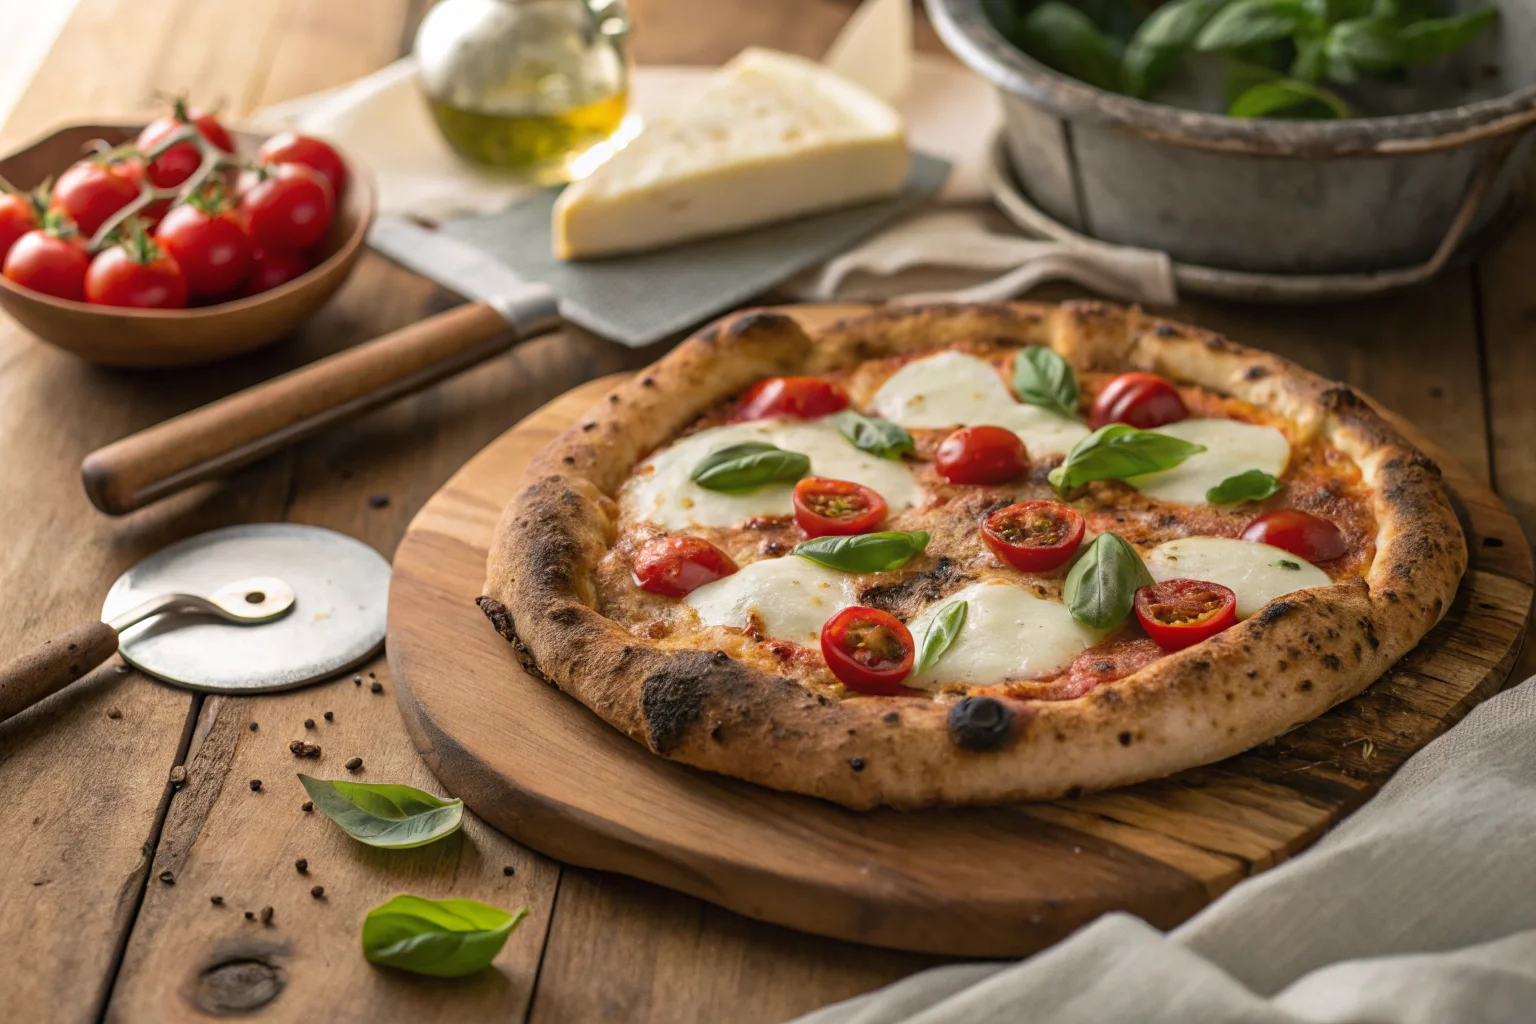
x,y
950,112
1420,908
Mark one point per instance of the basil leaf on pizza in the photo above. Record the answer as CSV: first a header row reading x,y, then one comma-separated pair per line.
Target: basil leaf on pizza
x,y
1043,378
878,437
1102,583
1254,485
864,552
1116,451
742,467
941,632
441,938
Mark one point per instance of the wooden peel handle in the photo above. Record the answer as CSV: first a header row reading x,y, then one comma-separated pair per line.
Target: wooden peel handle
x,y
29,678
250,424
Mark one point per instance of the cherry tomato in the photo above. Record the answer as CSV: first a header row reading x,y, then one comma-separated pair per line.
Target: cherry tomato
x,y
18,215
289,206
1144,400
982,455
288,148
137,273
176,164
272,267
213,250
1300,533
46,263
90,192
1034,536
1180,613
868,650
805,398
836,507
677,566
132,168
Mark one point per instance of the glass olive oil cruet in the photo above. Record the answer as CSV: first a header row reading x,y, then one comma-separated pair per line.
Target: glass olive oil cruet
x,y
526,85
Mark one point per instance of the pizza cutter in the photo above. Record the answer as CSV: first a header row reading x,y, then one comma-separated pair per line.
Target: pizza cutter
x,y
245,609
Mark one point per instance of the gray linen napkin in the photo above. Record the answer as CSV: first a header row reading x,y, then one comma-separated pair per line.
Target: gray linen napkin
x,y
1419,909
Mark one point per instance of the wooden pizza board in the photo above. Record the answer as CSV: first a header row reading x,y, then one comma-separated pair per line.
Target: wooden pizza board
x,y
981,882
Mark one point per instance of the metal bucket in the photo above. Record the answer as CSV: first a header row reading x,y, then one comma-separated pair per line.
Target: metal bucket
x,y
1266,196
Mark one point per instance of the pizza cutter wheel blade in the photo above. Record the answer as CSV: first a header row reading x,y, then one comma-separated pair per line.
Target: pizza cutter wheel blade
x,y
245,609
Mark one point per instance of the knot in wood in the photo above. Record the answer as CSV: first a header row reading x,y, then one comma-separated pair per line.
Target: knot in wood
x,y
236,986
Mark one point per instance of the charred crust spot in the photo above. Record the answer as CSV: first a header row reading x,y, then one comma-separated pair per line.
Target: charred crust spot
x,y
588,427
1200,666
1341,398
1390,595
1125,739
565,617
1256,373
918,588
1109,697
891,717
1274,612
569,460
1073,793
613,399
1332,662
981,723
672,699
1252,673
647,381
501,619
1306,686
1493,542
856,763
721,658
1166,331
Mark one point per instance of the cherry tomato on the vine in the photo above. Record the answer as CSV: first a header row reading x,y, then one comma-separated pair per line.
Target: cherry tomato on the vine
x,y
1180,613
272,267
18,215
1301,533
1034,536
288,206
136,273
288,148
677,566
825,507
982,455
92,191
869,650
805,398
177,163
46,263
210,245
1143,400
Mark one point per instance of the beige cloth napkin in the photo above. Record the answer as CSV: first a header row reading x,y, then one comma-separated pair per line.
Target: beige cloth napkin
x,y
383,120
1419,909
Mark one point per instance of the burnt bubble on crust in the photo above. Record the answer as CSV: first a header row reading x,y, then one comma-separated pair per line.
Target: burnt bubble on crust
x,y
672,698
981,723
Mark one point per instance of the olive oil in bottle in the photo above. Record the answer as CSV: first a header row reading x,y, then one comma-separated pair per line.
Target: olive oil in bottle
x,y
530,86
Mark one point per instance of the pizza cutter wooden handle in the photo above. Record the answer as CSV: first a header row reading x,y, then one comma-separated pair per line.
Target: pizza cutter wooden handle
x,y
46,669
250,424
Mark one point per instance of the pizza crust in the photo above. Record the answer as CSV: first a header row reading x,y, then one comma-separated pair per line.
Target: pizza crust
x,y
1289,663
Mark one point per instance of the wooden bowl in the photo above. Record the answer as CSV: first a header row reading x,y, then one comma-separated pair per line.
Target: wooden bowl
x,y
113,336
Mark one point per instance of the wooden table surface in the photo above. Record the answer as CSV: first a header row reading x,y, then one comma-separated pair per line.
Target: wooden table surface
x,y
88,819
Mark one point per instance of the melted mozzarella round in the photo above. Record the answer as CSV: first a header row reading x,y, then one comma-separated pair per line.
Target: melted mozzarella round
x,y
661,491
791,598
1009,633
952,389
1231,448
1256,573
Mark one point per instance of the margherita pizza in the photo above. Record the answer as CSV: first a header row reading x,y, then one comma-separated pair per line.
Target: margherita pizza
x,y
970,554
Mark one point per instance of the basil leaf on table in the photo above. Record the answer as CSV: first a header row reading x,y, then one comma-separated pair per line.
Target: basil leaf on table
x,y
1440,37
752,464
1043,378
1247,22
1062,37
941,632
1116,451
1253,485
442,938
1288,95
389,817
878,437
1102,583
864,552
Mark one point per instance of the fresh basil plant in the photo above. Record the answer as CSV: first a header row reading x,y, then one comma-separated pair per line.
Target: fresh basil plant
x,y
1116,451
390,817
747,466
1102,583
864,552
442,938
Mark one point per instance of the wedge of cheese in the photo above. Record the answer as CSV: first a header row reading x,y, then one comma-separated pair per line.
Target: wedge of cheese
x,y
772,136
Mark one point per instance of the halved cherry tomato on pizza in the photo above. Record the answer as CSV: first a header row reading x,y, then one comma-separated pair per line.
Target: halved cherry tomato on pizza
x,y
868,650
677,566
1301,533
90,191
1143,400
825,507
1180,613
1034,536
982,455
805,398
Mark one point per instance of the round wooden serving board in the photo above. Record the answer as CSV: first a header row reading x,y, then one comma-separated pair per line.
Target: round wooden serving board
x,y
981,882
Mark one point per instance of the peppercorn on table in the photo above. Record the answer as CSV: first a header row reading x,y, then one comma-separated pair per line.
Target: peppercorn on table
x,y
162,860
